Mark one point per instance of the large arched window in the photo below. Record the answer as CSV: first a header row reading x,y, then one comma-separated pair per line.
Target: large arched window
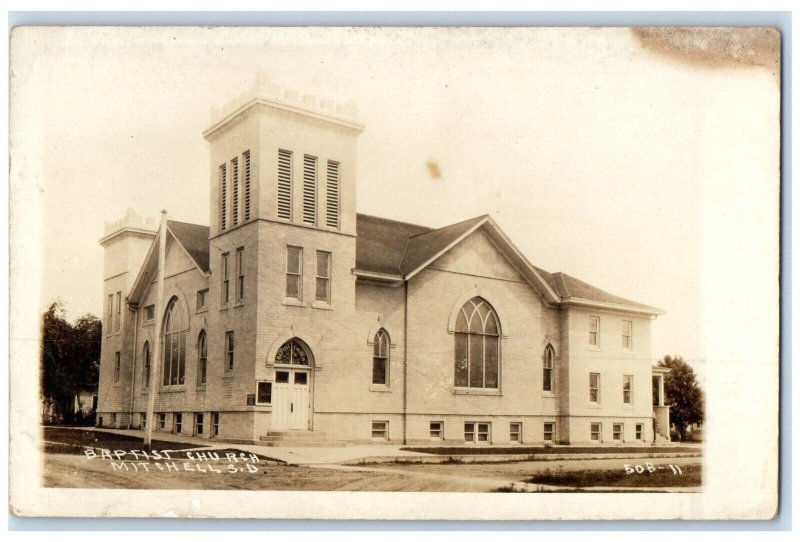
x,y
380,358
202,358
477,333
548,366
174,345
146,366
292,353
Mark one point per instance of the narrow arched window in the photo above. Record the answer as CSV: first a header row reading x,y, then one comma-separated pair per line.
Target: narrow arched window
x,y
548,369
380,358
174,345
202,358
146,364
477,363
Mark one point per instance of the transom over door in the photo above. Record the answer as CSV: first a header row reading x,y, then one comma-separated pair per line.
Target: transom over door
x,y
291,399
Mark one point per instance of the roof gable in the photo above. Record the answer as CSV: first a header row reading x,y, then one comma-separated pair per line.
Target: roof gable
x,y
191,238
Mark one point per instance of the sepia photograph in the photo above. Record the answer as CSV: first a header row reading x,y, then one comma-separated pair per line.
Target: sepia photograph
x,y
395,273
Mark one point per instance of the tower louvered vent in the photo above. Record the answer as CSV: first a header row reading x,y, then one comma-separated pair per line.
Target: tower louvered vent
x,y
223,182
285,184
332,189
235,202
309,189
247,185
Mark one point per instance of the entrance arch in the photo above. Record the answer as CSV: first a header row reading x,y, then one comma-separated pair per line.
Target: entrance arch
x,y
293,386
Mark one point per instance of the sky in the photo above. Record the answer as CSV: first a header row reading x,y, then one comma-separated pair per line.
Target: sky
x,y
599,156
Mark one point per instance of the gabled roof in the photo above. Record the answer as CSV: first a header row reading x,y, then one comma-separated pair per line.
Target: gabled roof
x,y
192,238
396,251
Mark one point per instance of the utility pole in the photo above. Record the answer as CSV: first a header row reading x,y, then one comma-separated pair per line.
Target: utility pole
x,y
159,308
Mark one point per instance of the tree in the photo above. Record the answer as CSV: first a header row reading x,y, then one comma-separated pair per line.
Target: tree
x,y
70,359
683,394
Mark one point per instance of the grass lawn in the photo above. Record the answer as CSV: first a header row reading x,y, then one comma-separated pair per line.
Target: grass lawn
x,y
517,450
691,477
61,440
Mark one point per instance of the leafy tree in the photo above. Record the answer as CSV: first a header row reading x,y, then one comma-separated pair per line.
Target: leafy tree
x,y
683,394
70,359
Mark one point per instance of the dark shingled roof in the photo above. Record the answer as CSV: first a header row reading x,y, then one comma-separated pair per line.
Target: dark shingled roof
x,y
380,243
567,287
194,239
398,248
425,246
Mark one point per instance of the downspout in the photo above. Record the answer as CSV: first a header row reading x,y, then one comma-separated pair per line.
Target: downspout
x,y
133,370
405,363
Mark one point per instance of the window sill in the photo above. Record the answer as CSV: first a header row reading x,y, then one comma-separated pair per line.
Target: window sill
x,y
148,323
383,388
593,348
172,389
627,406
224,306
293,302
322,305
227,374
594,405
238,303
199,311
201,387
549,394
477,391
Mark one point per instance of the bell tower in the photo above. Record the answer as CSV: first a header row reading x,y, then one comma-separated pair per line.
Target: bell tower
x,y
283,158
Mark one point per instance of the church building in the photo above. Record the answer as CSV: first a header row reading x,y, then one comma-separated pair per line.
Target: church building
x,y
293,319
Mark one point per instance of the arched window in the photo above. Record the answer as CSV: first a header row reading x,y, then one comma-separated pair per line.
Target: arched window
x,y
174,345
202,358
146,366
380,358
548,369
477,345
292,353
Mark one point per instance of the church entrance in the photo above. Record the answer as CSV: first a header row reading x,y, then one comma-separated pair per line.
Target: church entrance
x,y
291,397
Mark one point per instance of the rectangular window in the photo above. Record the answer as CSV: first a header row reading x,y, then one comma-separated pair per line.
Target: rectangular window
x,y
332,189
323,276
143,420
229,349
240,274
310,189
235,194
282,377
198,424
627,389
109,314
223,197
436,430
294,272
616,430
549,431
515,432
380,430
215,424
627,335
639,431
177,422
284,184
117,366
594,331
118,319
202,299
596,431
247,177
226,280
162,420
476,432
264,393
594,387
149,313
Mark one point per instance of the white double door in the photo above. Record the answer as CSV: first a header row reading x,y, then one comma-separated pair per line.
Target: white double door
x,y
291,399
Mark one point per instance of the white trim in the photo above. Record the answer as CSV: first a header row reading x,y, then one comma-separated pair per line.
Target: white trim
x,y
616,307
283,107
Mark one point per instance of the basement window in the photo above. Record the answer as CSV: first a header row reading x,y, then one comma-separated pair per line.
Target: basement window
x,y
380,430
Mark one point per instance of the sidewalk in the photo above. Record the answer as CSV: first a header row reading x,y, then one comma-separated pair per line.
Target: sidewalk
x,y
371,454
